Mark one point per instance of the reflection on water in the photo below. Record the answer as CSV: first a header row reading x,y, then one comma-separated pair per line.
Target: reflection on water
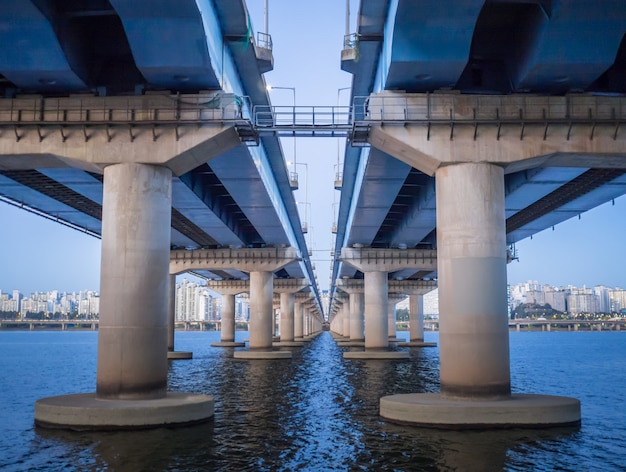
x,y
315,412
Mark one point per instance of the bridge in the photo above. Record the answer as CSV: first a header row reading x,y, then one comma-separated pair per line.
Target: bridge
x,y
472,125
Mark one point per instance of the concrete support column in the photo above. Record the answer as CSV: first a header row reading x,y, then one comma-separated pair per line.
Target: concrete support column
x,y
416,318
376,334
134,287
261,311
471,243
391,316
297,320
345,314
171,313
307,321
287,306
228,318
356,317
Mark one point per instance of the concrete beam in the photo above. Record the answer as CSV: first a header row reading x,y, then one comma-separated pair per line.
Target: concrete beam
x,y
389,260
229,287
412,287
290,285
247,260
516,132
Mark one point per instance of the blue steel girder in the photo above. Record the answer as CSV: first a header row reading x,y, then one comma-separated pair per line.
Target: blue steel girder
x,y
503,46
170,41
32,57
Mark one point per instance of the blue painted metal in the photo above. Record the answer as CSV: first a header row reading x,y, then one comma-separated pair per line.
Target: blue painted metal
x,y
176,44
31,56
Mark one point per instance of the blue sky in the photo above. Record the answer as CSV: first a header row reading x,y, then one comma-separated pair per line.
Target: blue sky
x,y
39,255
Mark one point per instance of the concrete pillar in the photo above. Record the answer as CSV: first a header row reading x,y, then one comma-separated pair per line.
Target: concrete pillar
x,y
134,286
356,317
287,306
416,318
261,311
171,313
345,313
471,255
297,320
307,321
228,318
391,316
376,309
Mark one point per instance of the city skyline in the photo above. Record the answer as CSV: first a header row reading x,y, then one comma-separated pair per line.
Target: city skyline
x,y
36,253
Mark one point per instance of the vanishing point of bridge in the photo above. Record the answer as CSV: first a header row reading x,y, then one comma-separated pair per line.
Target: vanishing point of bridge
x,y
170,152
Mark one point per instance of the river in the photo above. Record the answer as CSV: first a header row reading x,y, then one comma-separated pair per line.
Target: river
x,y
315,412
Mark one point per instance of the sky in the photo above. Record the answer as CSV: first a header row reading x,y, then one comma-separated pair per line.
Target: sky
x,y
40,255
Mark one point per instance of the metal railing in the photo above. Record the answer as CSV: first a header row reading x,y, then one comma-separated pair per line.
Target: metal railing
x,y
422,107
264,40
133,109
302,116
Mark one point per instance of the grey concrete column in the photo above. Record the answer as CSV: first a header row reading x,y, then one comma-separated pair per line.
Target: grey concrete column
x,y
391,317
134,285
471,244
261,310
307,321
345,314
416,318
376,309
356,317
171,313
297,320
287,306
228,318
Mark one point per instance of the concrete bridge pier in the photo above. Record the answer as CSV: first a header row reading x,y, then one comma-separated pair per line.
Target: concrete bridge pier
x,y
354,288
415,289
357,328
287,288
416,318
171,320
228,289
299,314
261,319
392,300
131,389
376,320
473,326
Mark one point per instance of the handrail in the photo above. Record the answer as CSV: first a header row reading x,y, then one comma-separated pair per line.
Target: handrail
x,y
133,109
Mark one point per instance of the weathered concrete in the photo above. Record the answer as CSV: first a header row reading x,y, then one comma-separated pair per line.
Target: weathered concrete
x,y
288,344
131,383
392,300
228,344
355,288
376,310
287,288
85,411
134,288
417,344
471,241
261,311
516,145
268,259
516,411
180,144
416,318
179,355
